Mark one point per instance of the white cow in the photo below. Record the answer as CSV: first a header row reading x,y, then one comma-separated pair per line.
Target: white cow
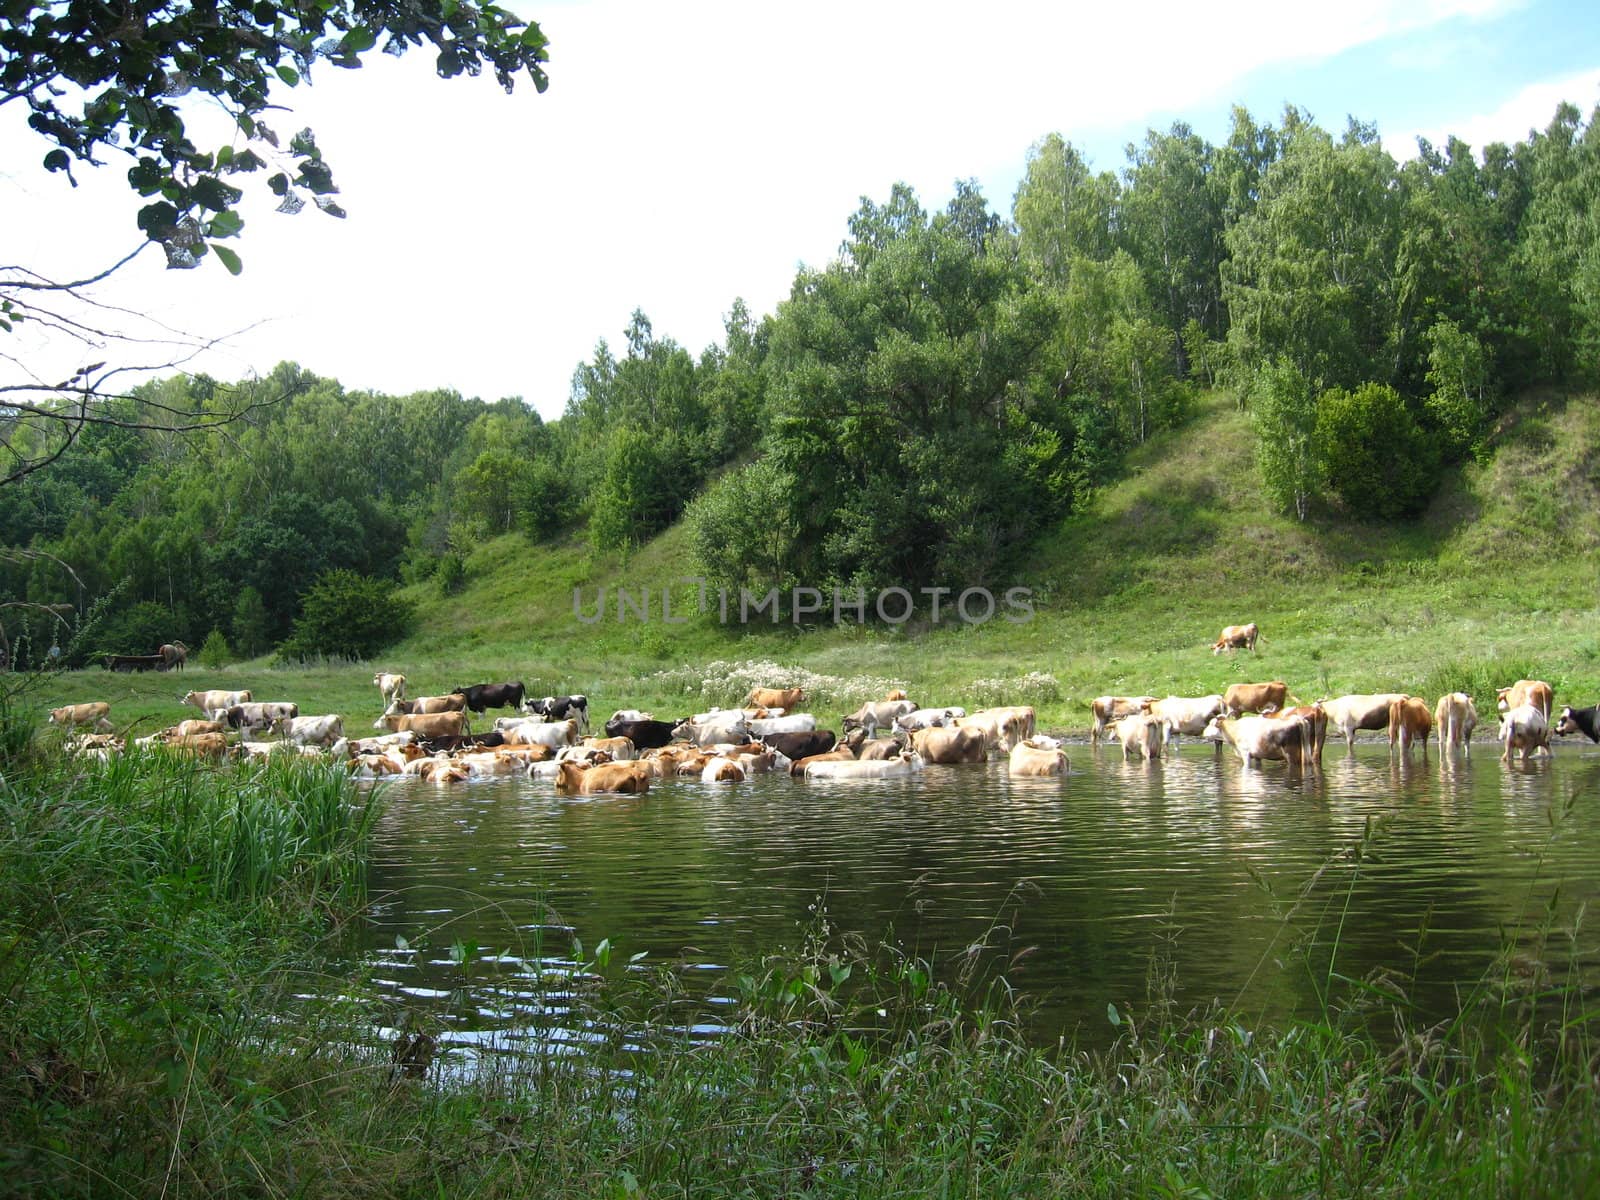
x,y
1350,713
850,768
310,731
1524,728
1187,715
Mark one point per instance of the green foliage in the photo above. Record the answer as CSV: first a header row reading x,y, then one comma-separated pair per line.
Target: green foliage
x,y
125,90
1460,403
1284,409
251,633
214,652
740,531
347,615
139,629
451,575
1373,453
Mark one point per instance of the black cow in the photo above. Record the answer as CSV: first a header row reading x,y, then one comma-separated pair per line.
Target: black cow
x,y
645,735
796,746
481,696
559,708
467,741
1580,720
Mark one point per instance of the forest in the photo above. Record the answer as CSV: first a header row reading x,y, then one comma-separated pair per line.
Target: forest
x,y
919,409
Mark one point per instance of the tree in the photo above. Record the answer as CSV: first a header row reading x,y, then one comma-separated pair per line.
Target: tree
x,y
349,616
104,81
1285,412
1062,210
1373,453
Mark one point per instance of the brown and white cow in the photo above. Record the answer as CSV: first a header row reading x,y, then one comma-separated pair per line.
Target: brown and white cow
x,y
1183,715
1523,728
1141,734
1255,697
1107,709
1237,637
423,705
784,698
1315,718
95,712
424,725
391,687
1350,713
1255,739
1527,691
1409,722
211,701
1456,717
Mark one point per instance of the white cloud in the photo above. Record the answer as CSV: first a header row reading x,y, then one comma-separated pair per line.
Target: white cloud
x,y
1528,110
683,155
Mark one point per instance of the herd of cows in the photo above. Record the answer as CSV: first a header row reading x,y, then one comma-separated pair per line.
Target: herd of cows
x,y
430,737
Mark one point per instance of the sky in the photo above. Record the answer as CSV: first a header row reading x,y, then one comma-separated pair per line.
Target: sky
x,y
689,154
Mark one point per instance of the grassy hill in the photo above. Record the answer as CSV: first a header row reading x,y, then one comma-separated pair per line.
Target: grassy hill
x,y
1499,579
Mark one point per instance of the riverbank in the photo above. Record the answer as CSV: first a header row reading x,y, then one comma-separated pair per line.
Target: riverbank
x,y
164,923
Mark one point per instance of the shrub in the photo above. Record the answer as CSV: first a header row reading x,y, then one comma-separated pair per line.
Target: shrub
x,y
214,653
1374,455
349,616
451,574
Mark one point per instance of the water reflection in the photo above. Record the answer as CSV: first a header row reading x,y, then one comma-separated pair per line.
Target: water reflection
x,y
1252,886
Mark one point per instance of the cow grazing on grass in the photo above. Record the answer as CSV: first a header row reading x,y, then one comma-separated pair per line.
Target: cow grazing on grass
x,y
1526,691
1107,709
1409,722
173,656
1455,716
1580,720
1523,728
1237,637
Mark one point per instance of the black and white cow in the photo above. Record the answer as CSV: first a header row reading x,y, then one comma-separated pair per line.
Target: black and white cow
x,y
1580,720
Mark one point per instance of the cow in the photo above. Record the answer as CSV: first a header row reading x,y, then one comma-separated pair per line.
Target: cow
x,y
1580,720
310,731
1107,709
1235,637
1243,698
1028,759
840,753
874,715
173,656
1409,721
260,715
1526,691
424,725
554,734
438,769
793,723
801,745
1255,739
897,694
723,727
1185,715
559,708
483,696
630,778
644,734
95,712
1456,717
1523,728
784,698
886,768
928,718
1315,728
190,728
201,745
1350,713
423,705
390,688
213,700
722,770
1003,728
960,745
1142,733
619,748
